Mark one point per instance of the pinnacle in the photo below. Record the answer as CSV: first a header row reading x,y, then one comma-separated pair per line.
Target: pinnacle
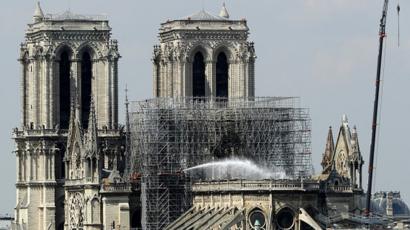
x,y
38,13
224,12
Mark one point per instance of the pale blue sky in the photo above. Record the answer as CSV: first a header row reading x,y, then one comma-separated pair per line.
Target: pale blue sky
x,y
321,50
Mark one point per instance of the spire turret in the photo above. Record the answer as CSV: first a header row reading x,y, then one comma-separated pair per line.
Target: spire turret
x,y
129,165
329,150
38,13
224,12
91,141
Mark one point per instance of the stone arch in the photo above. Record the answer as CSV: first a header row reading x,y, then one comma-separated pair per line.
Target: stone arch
x,y
285,217
223,47
222,75
63,54
257,218
199,47
85,55
63,47
87,47
197,58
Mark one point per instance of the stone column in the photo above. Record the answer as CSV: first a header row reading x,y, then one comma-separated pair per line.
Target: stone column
x,y
162,80
75,85
115,94
184,78
51,94
154,78
45,165
34,95
86,170
232,73
56,94
23,92
18,166
170,78
179,79
23,162
251,77
108,94
210,78
242,82
45,94
188,79
52,162
30,168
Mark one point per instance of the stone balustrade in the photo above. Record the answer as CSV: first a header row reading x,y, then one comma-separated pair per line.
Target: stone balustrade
x,y
263,185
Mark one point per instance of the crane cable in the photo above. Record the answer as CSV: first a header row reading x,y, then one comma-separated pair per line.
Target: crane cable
x,y
398,23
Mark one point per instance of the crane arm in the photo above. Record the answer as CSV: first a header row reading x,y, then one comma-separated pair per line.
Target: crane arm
x,y
382,34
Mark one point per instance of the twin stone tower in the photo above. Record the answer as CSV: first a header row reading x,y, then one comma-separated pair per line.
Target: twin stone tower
x,y
69,136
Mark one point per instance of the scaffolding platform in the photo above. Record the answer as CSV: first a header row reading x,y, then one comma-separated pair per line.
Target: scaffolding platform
x,y
169,135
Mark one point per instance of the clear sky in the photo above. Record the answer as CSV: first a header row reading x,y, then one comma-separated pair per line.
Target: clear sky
x,y
324,51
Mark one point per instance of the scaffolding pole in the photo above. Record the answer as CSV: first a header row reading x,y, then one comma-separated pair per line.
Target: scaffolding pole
x,y
169,135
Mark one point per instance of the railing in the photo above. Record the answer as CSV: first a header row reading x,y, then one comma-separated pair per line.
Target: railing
x,y
59,132
267,185
339,188
119,187
68,15
39,132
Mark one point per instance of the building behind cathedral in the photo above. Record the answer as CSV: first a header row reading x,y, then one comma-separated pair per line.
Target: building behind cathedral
x,y
78,168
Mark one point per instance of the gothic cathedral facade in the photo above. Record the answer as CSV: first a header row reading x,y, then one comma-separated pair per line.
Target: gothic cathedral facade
x,y
69,133
204,55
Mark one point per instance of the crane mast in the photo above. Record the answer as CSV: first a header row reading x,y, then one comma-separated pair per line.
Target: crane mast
x,y
382,34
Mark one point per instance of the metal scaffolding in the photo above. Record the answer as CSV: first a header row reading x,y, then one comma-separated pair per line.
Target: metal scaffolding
x,y
172,134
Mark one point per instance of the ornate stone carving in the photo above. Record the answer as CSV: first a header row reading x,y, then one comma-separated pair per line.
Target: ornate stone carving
x,y
76,211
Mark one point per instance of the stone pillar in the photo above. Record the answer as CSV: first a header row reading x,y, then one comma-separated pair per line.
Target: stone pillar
x,y
45,165
115,94
18,166
251,78
53,160
30,170
75,85
51,96
210,78
56,94
34,95
108,91
23,92
188,79
155,78
180,79
23,166
170,90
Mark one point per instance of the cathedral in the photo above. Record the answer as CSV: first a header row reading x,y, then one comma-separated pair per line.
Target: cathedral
x,y
69,133
78,168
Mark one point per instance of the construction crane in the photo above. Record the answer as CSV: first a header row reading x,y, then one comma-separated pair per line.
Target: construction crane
x,y
382,35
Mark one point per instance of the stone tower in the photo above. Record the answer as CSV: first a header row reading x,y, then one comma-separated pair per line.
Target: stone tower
x,y
69,73
204,55
344,157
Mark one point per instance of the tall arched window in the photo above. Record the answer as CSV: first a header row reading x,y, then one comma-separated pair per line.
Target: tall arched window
x,y
86,77
222,68
64,68
198,76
